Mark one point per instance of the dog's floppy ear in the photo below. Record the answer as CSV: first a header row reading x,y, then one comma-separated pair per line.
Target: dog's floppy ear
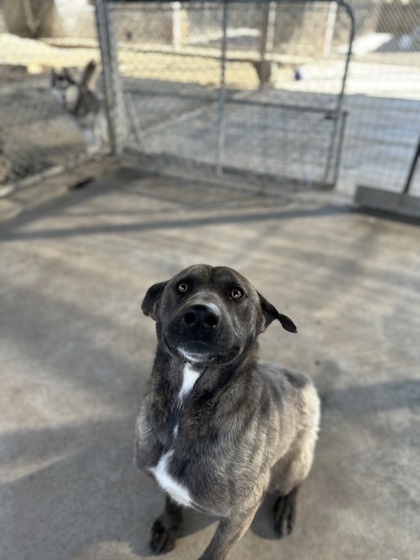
x,y
152,298
270,313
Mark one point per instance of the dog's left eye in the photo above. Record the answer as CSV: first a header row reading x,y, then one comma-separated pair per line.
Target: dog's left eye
x,y
183,287
236,294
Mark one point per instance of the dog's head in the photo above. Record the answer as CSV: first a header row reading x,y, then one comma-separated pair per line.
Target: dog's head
x,y
210,314
64,87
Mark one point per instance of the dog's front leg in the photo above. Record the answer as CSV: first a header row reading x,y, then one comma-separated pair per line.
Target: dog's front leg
x,y
229,530
166,528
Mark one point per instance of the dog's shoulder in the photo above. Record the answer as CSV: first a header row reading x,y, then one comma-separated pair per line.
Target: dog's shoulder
x,y
292,390
284,377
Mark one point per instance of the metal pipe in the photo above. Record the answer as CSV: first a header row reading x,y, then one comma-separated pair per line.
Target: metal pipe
x,y
339,148
412,169
119,110
340,99
103,38
222,94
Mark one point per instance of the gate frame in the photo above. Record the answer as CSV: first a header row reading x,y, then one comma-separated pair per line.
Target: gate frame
x,y
114,96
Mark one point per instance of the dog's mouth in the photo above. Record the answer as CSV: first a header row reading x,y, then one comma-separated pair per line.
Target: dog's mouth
x,y
195,351
199,352
197,340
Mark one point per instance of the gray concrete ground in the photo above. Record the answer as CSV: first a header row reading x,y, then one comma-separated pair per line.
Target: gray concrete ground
x,y
75,354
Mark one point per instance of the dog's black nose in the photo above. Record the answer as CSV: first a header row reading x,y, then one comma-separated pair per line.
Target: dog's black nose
x,y
201,316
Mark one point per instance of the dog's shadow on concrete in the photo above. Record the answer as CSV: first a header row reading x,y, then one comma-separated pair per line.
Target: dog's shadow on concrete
x,y
263,522
195,523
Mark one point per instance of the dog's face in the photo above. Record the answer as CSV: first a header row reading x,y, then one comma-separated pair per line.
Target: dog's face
x,y
64,87
209,314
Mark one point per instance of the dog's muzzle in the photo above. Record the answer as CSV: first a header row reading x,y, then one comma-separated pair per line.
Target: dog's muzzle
x,y
199,333
197,330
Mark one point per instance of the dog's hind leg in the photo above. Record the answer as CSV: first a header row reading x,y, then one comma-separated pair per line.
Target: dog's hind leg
x,y
166,528
285,513
229,530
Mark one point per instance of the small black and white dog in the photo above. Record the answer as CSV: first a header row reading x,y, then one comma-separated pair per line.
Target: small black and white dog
x,y
83,104
218,428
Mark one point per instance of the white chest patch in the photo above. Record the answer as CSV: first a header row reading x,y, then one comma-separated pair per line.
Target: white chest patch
x,y
177,491
190,376
71,96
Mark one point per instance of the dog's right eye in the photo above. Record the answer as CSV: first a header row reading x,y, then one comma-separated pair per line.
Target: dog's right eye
x,y
236,294
183,287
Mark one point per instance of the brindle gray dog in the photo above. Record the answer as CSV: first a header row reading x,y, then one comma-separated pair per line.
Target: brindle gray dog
x,y
217,428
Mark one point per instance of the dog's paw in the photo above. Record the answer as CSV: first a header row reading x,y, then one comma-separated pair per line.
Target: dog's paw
x,y
161,540
285,514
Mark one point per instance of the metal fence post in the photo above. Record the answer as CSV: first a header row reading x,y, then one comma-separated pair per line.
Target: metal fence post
x,y
222,94
114,98
266,40
340,100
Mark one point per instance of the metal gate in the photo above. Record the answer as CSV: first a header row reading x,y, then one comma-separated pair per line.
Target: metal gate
x,y
248,86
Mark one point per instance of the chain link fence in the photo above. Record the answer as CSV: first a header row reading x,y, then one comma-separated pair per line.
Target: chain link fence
x,y
254,87
222,83
383,96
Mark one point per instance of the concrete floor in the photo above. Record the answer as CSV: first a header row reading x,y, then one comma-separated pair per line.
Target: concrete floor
x,y
75,354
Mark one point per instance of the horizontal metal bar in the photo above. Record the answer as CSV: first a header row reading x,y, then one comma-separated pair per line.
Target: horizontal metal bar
x,y
301,108
218,3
